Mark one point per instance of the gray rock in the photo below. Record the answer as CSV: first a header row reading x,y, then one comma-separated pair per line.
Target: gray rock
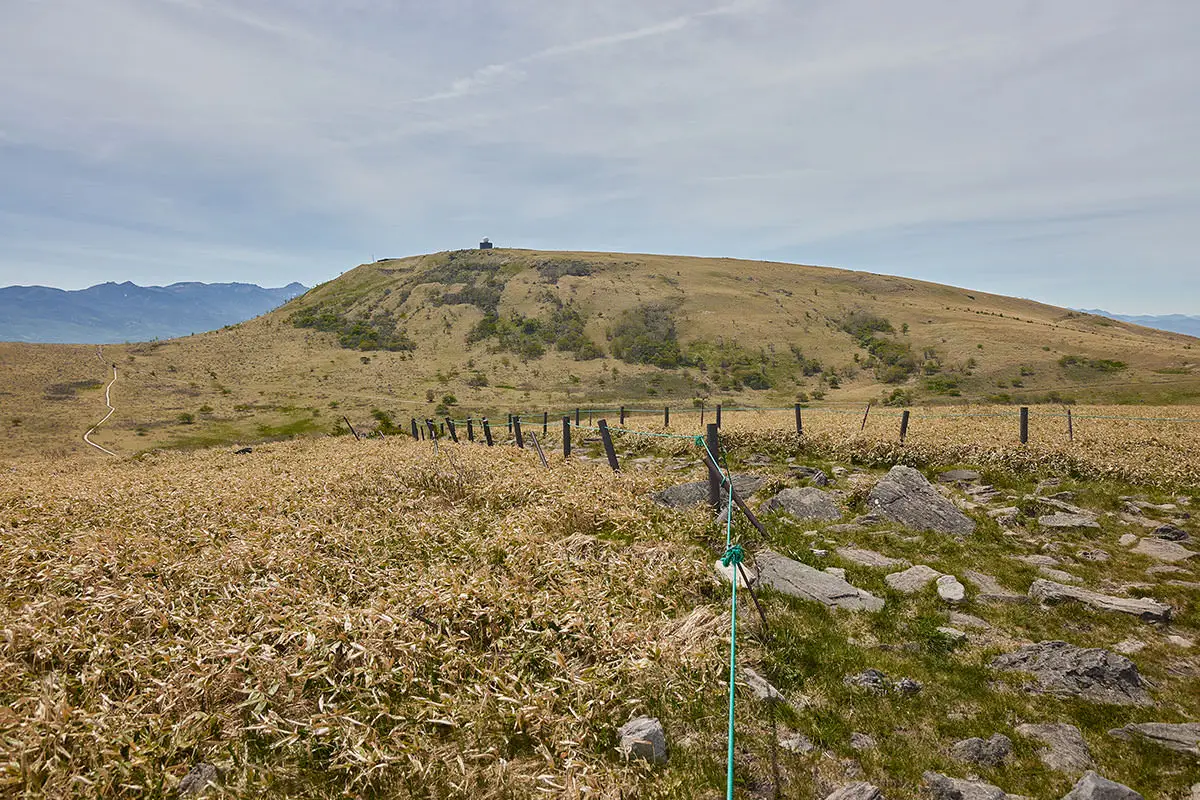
x,y
1065,750
836,572
199,780
968,621
1149,610
862,742
950,590
761,687
990,590
1127,539
944,788
1038,560
1195,791
804,504
1092,787
800,580
1129,646
695,493
1093,555
1094,674
1059,575
872,680
869,558
815,476
990,752
1165,569
1183,738
1171,552
913,579
908,686
1171,533
904,496
856,791
726,573
644,738
1066,520
796,743
952,633
958,476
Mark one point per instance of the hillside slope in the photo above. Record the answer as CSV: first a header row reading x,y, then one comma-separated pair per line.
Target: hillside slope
x,y
473,331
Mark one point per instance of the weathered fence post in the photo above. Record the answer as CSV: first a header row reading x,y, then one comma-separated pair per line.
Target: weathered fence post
x,y
510,424
718,415
537,446
351,427
414,428
470,430
566,437
714,477
622,416
516,421
453,431
432,428
545,423
487,431
799,422
666,416
606,437
577,418
864,422
903,425
1070,426
702,414
1024,424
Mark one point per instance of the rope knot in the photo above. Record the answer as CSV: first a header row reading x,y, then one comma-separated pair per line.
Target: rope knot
x,y
733,555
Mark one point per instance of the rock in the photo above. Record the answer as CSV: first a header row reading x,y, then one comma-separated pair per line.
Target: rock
x,y
800,580
1092,787
1182,738
761,687
856,791
1185,584
795,742
815,476
1065,751
1066,520
968,621
1038,560
1127,539
952,633
1165,569
990,752
1006,516
1056,502
904,496
1148,610
950,590
726,573
695,493
1048,483
1195,791
199,780
862,742
872,680
836,572
990,590
958,476
1129,646
1094,674
804,504
908,686
1093,555
644,738
913,579
944,788
839,472
1180,641
1059,575
868,558
1170,533
1171,552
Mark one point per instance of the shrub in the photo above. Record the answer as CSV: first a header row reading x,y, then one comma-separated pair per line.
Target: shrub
x,y
185,419
647,335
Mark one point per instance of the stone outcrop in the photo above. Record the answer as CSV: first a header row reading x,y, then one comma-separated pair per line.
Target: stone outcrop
x,y
1092,787
1065,749
800,580
1091,673
807,504
1149,610
1182,738
905,497
913,579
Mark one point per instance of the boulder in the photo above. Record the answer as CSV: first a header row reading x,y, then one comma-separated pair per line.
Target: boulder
x,y
1038,560
644,738
1092,555
954,634
990,752
793,578
795,742
198,781
856,791
968,621
944,788
1064,519
761,687
1127,539
990,590
836,572
869,558
1092,787
950,590
804,504
1148,610
726,573
1170,533
1162,550
913,579
1091,673
958,476
904,496
815,476
1183,738
695,493
1058,575
872,680
1065,749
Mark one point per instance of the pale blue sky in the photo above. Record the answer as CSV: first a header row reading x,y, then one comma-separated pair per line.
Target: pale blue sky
x,y
1040,149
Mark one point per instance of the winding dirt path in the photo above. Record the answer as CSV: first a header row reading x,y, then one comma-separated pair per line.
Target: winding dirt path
x,y
107,402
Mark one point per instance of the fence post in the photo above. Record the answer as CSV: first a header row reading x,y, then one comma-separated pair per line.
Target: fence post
x,y
414,428
566,437
622,416
577,418
510,422
432,429
714,478
903,425
1024,424
516,421
453,432
487,431
538,447
799,422
545,422
1070,426
470,430
351,427
864,422
606,437
666,416
702,414
718,415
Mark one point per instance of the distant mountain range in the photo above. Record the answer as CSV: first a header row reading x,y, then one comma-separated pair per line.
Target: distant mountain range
x,y
1176,323
111,313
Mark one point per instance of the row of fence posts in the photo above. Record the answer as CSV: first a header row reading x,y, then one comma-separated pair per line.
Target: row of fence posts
x,y
515,430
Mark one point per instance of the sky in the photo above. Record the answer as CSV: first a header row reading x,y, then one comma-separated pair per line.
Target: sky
x,y
1048,150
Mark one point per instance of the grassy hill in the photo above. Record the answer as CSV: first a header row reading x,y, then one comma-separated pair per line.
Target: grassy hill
x,y
492,331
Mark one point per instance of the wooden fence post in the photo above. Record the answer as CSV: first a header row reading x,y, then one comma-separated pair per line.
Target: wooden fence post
x,y
470,430
1070,426
718,415
714,477
510,423
864,422
516,421
487,431
432,429
702,414
577,418
903,425
414,428
606,437
351,427
537,446
799,422
545,423
622,416
1024,424
566,437
453,431
666,416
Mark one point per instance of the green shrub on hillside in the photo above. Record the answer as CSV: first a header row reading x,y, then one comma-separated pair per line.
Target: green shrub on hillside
x,y
378,332
1096,364
892,360
647,335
